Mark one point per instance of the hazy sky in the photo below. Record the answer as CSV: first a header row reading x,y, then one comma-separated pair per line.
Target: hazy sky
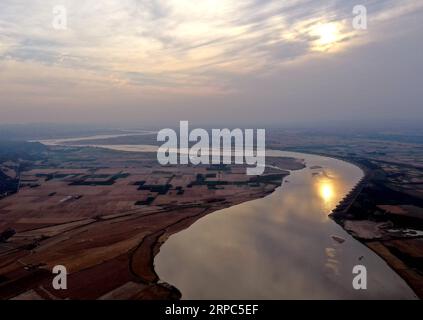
x,y
211,61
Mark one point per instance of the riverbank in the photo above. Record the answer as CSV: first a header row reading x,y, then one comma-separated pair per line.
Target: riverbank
x,y
371,216
103,214
365,214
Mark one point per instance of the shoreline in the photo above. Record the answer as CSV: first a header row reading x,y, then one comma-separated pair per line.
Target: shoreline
x,y
109,254
150,246
396,264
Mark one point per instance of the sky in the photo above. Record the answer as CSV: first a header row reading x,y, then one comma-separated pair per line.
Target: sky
x,y
245,62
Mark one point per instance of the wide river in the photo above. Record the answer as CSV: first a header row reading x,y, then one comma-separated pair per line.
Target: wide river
x,y
282,246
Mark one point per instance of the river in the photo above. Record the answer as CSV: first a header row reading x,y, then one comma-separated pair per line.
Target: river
x,y
282,246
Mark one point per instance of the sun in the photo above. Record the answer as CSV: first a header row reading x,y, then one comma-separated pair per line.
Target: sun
x,y
326,34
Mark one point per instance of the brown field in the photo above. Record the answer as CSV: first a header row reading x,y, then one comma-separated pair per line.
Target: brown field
x,y
63,214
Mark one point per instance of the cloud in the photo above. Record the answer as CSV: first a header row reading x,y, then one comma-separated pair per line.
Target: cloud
x,y
181,47
168,36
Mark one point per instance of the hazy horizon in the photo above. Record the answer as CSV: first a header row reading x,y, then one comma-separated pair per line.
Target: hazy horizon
x,y
292,63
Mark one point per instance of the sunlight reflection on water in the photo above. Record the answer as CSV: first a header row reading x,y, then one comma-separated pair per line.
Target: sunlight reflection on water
x,y
280,246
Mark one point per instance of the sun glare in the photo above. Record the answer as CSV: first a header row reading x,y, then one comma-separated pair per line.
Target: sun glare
x,y
326,191
326,34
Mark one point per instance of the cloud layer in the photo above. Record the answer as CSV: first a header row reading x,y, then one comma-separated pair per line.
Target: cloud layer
x,y
116,53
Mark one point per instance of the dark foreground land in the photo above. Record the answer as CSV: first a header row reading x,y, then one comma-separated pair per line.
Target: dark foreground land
x,y
104,215
385,211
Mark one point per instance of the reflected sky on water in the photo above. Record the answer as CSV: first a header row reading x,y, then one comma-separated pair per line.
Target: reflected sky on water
x,y
280,246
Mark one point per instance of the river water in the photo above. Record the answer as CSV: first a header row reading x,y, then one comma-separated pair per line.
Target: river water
x,y
282,246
